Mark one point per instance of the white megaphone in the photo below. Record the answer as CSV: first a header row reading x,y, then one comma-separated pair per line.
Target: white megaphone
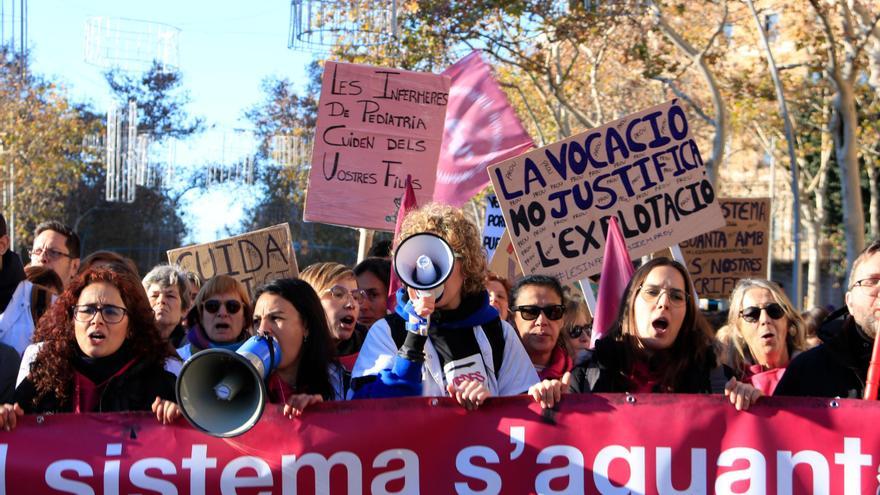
x,y
424,262
223,393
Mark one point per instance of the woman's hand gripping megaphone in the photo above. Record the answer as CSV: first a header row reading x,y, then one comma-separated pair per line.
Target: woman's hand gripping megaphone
x,y
424,300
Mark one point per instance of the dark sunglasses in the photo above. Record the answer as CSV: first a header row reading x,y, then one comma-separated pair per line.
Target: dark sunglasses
x,y
576,331
753,313
232,306
530,312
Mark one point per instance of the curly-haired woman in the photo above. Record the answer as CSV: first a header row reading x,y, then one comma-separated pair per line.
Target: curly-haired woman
x,y
470,354
101,352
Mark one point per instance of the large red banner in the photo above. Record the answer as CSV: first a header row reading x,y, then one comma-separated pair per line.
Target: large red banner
x,y
592,444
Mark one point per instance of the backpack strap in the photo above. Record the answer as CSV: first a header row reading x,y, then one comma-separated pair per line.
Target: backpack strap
x,y
495,333
493,330
398,328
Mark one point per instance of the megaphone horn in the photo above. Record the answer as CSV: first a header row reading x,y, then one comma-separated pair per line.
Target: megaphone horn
x,y
223,393
423,261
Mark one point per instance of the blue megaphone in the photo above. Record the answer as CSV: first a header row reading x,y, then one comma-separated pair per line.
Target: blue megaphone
x,y
223,393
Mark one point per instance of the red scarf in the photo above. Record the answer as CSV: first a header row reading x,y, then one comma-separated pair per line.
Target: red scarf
x,y
560,363
643,380
765,381
87,395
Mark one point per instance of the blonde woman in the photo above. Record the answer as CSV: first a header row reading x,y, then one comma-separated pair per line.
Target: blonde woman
x,y
764,333
341,298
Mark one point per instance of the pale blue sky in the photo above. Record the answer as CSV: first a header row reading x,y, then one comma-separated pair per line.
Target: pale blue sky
x,y
226,48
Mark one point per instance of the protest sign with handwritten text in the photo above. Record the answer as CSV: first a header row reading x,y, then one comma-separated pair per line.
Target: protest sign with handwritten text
x,y
375,126
494,226
718,259
644,168
252,259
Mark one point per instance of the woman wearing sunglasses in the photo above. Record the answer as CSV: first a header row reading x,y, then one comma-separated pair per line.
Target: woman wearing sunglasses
x,y
220,317
764,333
538,309
578,330
100,351
660,344
341,298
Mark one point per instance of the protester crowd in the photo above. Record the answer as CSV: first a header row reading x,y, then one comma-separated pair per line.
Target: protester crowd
x,y
92,335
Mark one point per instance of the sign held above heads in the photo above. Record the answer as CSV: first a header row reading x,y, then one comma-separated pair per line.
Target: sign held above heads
x,y
375,126
253,258
717,260
645,169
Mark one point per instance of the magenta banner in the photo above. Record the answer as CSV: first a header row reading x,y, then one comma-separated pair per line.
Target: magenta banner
x,y
593,444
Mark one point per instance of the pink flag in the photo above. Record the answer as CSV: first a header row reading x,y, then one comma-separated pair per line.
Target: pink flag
x,y
407,204
617,270
481,129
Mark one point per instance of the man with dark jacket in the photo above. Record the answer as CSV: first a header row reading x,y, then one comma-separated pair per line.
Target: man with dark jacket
x,y
839,366
11,269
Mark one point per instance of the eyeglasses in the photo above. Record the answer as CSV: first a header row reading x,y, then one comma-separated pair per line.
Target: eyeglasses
x,y
51,254
651,293
753,313
872,284
531,312
109,313
576,331
339,293
232,306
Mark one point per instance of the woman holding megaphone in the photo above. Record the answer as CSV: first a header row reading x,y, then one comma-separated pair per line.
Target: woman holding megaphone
x,y
447,324
290,311
100,352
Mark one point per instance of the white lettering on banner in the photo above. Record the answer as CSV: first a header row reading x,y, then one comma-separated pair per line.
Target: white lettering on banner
x,y
755,474
199,463
664,472
231,481
56,481
140,479
409,472
466,468
290,466
852,460
573,471
470,368
634,457
518,439
111,469
785,464
479,468
3,448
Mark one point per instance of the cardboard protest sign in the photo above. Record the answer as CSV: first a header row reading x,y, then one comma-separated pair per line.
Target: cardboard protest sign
x,y
504,262
374,127
494,226
718,259
252,259
644,168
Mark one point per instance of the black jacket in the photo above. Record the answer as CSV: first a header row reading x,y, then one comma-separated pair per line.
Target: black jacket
x,y
604,372
10,276
133,390
836,368
9,361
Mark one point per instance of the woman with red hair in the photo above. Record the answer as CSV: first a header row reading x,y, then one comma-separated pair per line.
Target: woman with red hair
x,y
100,351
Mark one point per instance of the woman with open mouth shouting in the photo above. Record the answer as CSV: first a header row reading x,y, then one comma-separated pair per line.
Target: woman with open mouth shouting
x,y
764,333
220,317
660,344
341,298
100,351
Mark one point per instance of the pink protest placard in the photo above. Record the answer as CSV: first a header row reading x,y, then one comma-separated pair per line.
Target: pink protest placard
x,y
375,126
